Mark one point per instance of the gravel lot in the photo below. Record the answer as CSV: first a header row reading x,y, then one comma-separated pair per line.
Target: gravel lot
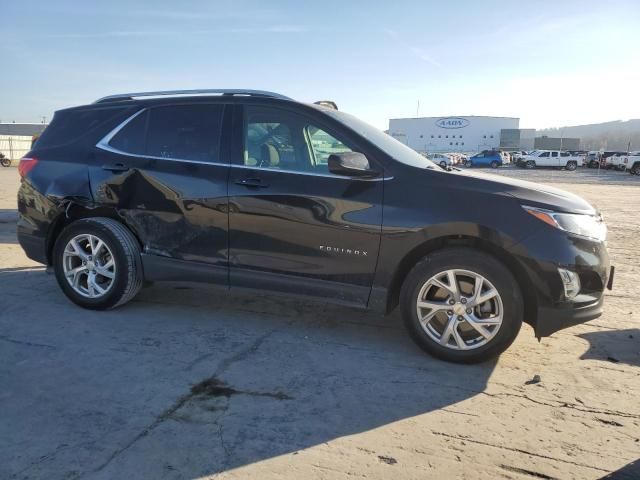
x,y
188,382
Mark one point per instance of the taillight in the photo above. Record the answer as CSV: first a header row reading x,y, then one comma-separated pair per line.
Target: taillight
x,y
26,165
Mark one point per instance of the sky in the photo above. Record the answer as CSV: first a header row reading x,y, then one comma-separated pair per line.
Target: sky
x,y
550,63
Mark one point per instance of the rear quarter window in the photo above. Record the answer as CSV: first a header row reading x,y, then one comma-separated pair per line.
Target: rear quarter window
x,y
69,125
179,132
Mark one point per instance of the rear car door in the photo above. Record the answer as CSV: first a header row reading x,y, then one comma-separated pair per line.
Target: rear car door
x,y
555,159
294,226
165,171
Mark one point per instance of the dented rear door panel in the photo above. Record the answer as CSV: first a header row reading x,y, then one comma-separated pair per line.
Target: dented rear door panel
x,y
177,208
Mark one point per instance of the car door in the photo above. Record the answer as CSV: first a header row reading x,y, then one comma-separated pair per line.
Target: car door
x,y
293,226
544,159
165,172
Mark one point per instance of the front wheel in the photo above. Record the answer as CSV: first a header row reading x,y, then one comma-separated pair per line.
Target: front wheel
x,y
6,162
462,305
635,170
97,263
495,164
530,164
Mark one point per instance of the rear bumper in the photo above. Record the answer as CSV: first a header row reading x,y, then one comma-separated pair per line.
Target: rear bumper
x,y
33,247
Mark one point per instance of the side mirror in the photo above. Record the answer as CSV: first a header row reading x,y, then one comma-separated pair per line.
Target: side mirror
x,y
352,164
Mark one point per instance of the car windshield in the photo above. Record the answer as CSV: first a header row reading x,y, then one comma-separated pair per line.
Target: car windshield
x,y
384,142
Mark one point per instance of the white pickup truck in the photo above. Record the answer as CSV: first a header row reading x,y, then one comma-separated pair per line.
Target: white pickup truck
x,y
624,161
551,158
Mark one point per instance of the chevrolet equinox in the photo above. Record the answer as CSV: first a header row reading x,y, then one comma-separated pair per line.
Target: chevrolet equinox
x,y
252,190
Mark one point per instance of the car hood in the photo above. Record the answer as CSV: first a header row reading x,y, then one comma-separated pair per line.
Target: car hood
x,y
529,193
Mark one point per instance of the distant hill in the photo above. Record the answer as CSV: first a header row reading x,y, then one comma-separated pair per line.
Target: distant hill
x,y
609,135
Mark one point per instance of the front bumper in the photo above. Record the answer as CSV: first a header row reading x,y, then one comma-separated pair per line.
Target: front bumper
x,y
559,317
540,256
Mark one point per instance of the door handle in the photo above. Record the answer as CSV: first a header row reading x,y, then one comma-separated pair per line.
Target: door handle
x,y
251,182
118,167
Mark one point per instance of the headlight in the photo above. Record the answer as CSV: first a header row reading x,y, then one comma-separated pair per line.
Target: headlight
x,y
590,226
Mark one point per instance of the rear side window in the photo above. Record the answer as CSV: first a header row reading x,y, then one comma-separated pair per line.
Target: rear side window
x,y
69,125
182,132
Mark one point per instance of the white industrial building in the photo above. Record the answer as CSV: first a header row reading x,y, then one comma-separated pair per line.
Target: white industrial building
x,y
16,138
451,134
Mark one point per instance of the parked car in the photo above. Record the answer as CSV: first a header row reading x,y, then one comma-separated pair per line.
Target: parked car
x,y
236,188
457,158
441,159
550,158
596,159
517,155
633,163
486,158
617,161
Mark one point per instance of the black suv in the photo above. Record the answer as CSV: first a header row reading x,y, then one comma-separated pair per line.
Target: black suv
x,y
252,190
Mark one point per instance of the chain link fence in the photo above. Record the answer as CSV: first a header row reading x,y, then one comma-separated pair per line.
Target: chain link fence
x,y
14,147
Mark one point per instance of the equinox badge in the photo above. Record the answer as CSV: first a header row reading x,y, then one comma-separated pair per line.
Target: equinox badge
x,y
345,251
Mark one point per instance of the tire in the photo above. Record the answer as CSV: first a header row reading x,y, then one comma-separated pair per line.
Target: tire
x,y
530,164
635,170
443,164
5,162
118,256
468,164
495,164
470,261
571,166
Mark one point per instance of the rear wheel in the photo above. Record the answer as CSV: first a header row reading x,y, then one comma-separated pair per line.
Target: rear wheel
x,y
462,305
635,170
97,263
495,164
5,162
443,164
530,164
571,166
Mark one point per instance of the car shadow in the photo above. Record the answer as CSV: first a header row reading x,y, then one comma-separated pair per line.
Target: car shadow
x,y
188,381
631,471
616,346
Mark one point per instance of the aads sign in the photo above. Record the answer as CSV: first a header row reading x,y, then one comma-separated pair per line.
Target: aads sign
x,y
452,122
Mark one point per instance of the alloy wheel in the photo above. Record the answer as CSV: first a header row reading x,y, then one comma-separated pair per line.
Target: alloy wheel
x,y
459,309
89,266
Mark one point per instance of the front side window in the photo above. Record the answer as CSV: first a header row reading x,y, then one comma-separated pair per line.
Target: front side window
x,y
283,140
544,154
554,154
177,132
322,145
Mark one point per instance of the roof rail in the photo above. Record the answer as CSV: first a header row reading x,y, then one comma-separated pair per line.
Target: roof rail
x,y
208,91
